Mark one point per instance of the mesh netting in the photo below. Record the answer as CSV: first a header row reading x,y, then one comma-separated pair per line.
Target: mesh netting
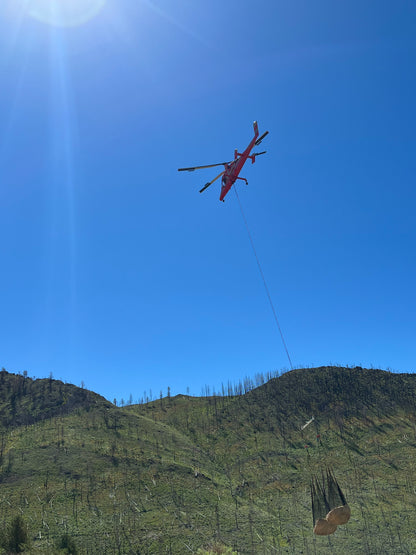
x,y
334,492
320,505
329,506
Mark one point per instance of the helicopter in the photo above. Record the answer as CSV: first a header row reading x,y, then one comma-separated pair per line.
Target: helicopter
x,y
233,168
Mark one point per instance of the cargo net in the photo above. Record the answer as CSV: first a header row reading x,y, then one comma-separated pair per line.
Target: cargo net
x,y
329,506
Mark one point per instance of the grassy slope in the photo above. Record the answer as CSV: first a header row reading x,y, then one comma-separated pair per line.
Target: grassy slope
x,y
177,474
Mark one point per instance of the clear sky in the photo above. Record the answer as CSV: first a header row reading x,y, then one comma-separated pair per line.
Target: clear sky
x,y
117,273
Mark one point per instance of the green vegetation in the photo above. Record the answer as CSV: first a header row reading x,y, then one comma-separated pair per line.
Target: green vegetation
x,y
216,474
67,545
216,550
16,538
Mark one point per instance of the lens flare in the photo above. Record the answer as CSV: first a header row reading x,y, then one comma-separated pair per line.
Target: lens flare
x,y
64,13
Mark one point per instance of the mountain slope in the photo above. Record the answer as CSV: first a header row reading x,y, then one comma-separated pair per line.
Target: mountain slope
x,y
24,401
182,473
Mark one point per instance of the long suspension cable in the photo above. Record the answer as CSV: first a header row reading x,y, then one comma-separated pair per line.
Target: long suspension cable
x,y
263,278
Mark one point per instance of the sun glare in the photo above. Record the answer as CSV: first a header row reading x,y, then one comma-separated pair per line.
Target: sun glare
x,y
64,13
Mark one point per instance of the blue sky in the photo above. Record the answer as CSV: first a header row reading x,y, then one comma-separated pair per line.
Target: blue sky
x,y
117,273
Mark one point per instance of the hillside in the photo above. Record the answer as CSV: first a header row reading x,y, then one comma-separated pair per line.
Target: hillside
x,y
184,473
24,401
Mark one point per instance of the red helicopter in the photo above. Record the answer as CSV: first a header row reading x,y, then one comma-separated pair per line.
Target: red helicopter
x,y
233,168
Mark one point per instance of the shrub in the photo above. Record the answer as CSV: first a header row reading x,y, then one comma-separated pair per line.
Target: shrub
x,y
67,545
16,539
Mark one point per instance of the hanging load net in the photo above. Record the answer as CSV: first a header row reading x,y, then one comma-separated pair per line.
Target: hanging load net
x,y
329,506
320,508
340,512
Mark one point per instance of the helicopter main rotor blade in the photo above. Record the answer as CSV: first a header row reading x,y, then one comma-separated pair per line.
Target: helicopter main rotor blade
x,y
202,167
211,182
259,140
258,153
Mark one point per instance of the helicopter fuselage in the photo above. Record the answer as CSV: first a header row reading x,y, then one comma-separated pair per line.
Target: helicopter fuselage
x,y
232,170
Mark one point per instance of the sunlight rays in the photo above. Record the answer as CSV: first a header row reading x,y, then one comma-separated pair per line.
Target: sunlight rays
x,y
62,232
39,138
120,19
173,21
6,136
64,13
15,37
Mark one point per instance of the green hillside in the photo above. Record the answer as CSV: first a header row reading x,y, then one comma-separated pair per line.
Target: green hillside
x,y
183,474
